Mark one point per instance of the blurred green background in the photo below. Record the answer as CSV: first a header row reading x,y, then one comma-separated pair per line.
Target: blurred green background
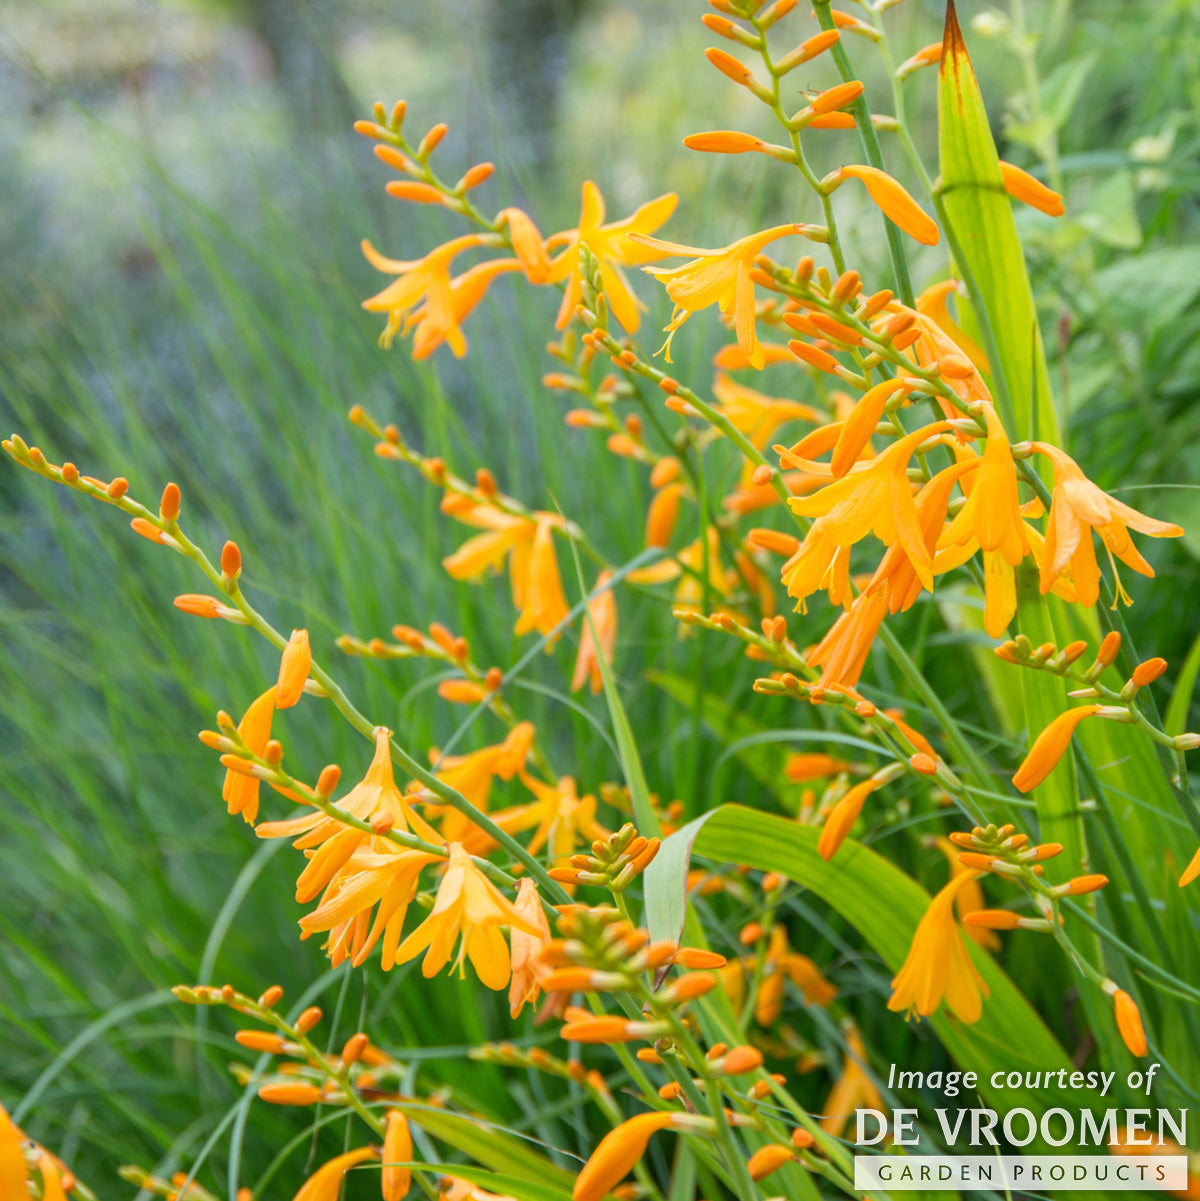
x,y
180,210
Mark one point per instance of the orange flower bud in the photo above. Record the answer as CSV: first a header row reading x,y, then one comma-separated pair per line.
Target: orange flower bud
x,y
842,817
415,191
809,49
648,1055
663,514
819,359
1049,748
290,1094
1022,186
897,205
728,65
1149,671
168,507
1191,871
768,1159
775,540
475,176
616,1155
354,1046
199,606
751,933
832,121
460,692
569,979
723,141
802,1139
606,1029
993,919
694,958
1109,649
147,529
293,670
1129,1022
1082,885
688,988
271,997
741,1060
976,862
308,1019
432,140
116,489
836,97
231,560
260,1040
397,1149
327,781
922,763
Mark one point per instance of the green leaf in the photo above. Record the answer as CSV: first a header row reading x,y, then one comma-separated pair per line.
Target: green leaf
x,y
489,1144
1175,721
977,216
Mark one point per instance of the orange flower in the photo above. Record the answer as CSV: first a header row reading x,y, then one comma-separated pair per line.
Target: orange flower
x,y
852,1090
897,205
325,1184
527,244
468,907
472,775
397,1149
842,653
663,514
939,966
528,543
842,817
293,670
330,843
755,415
1078,504
563,818
1129,1022
874,497
427,280
616,1154
592,645
803,767
1191,871
528,970
382,874
240,792
614,245
14,1177
1049,747
721,277
434,324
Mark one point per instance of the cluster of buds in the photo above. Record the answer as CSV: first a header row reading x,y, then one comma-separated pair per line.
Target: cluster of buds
x,y
1001,851
768,644
1048,657
179,1188
614,863
422,186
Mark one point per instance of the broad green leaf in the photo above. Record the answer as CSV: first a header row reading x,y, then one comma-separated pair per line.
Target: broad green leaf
x,y
885,906
977,216
489,1144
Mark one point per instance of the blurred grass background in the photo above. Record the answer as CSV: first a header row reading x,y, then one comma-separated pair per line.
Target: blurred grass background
x,y
179,216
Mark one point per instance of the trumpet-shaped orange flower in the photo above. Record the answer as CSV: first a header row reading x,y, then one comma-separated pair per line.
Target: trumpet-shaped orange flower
x,y
325,1184
614,245
418,281
969,899
756,415
842,817
528,969
330,843
842,653
240,792
1077,507
1129,1022
469,910
939,965
616,1154
1049,747
597,638
874,497
433,324
528,544
382,874
294,667
852,1090
721,277
472,775
562,818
